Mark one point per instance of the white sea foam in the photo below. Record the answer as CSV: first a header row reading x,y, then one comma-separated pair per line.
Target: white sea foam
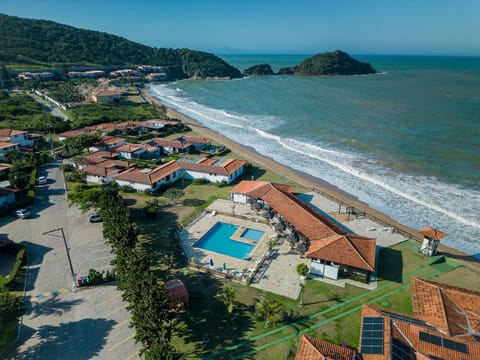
x,y
446,206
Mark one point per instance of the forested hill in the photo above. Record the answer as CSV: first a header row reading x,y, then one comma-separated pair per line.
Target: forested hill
x,y
27,41
330,64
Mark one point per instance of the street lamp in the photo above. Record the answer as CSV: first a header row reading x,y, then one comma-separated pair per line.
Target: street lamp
x,y
67,250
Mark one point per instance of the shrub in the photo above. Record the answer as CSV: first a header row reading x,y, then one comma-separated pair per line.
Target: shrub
x,y
222,183
302,269
68,167
147,192
127,189
20,257
150,211
200,182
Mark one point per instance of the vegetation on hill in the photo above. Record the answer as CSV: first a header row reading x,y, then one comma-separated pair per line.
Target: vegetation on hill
x,y
258,70
41,42
328,64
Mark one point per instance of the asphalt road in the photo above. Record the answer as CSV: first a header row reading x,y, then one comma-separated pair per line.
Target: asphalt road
x,y
60,322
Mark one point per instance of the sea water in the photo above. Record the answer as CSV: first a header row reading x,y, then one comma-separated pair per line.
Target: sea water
x,y
406,141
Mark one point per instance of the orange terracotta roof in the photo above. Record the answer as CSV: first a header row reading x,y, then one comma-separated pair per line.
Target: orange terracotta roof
x,y
129,148
11,132
140,176
196,140
432,233
74,133
4,167
251,188
103,154
7,144
352,250
310,348
451,309
226,168
171,143
109,140
101,171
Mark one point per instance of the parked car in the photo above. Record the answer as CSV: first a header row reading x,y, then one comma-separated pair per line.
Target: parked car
x,y
42,180
93,218
22,213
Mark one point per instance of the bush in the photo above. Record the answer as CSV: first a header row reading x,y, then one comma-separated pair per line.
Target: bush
x,y
68,167
302,269
20,257
222,183
127,189
147,192
200,182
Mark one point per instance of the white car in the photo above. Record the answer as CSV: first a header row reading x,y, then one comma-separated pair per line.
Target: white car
x,y
93,218
22,213
42,180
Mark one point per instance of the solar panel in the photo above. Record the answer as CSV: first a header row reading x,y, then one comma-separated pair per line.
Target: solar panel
x,y
401,351
443,342
405,318
372,335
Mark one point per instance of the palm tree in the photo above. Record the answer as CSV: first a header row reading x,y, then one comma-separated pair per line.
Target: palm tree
x,y
227,296
269,310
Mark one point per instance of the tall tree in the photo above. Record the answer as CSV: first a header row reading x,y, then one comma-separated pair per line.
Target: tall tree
x,y
227,296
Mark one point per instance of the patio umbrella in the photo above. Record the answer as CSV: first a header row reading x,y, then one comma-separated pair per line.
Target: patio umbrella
x,y
257,206
279,226
224,266
292,238
211,262
267,215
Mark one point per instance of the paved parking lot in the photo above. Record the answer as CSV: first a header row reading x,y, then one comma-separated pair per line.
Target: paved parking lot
x,y
60,323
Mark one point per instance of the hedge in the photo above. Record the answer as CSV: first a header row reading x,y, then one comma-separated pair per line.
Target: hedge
x,y
18,263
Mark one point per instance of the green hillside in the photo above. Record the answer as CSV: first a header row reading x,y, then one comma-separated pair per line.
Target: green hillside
x,y
41,42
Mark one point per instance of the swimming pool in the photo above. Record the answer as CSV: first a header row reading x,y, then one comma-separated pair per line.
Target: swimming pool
x,y
217,239
252,234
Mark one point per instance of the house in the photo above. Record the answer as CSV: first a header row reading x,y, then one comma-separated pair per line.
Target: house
x,y
445,325
213,170
151,68
103,172
310,348
36,75
198,143
333,250
161,76
107,143
4,169
86,74
147,179
107,95
177,292
130,151
19,137
156,124
168,147
6,147
7,197
96,158
431,240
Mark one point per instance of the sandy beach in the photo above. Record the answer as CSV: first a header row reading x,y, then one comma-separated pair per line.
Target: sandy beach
x,y
317,185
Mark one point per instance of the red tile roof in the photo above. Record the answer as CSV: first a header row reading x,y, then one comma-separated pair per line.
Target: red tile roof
x,y
129,148
226,168
171,143
148,177
195,140
109,140
98,170
432,233
74,133
453,310
350,249
11,132
310,348
7,144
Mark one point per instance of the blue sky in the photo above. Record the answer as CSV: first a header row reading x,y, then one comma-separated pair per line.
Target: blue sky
x,y
429,27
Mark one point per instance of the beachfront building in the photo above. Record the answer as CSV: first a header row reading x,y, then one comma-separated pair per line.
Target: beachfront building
x,y
156,124
445,325
107,95
92,74
431,240
148,179
137,151
198,143
213,170
335,252
102,172
168,147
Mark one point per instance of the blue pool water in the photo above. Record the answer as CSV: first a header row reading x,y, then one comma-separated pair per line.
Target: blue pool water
x,y
218,239
252,234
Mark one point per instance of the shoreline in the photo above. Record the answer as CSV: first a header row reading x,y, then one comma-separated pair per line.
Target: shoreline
x,y
317,185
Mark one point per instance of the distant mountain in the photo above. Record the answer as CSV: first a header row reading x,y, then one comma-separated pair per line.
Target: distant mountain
x,y
41,42
329,64
258,70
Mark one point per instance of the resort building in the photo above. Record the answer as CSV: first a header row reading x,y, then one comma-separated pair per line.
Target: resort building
x,y
198,143
156,124
103,172
137,151
213,170
310,348
445,325
147,179
107,95
107,143
168,147
86,74
334,251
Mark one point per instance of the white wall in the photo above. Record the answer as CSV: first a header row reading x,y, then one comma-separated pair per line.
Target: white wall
x,y
239,198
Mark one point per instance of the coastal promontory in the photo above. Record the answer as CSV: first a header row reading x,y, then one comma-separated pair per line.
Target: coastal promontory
x,y
47,44
329,64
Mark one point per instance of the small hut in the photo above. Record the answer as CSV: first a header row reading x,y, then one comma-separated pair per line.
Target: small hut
x,y
177,292
431,240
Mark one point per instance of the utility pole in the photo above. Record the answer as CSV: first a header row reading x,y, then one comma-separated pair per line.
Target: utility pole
x,y
67,250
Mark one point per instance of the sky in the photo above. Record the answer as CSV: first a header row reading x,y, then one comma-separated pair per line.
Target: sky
x,y
415,27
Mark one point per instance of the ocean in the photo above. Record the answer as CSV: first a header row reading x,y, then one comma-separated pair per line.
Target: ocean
x,y
406,141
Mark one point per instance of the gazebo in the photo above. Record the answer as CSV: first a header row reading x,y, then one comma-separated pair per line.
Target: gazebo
x,y
177,292
431,240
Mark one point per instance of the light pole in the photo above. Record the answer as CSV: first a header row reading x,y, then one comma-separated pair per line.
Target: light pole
x,y
302,287
67,250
